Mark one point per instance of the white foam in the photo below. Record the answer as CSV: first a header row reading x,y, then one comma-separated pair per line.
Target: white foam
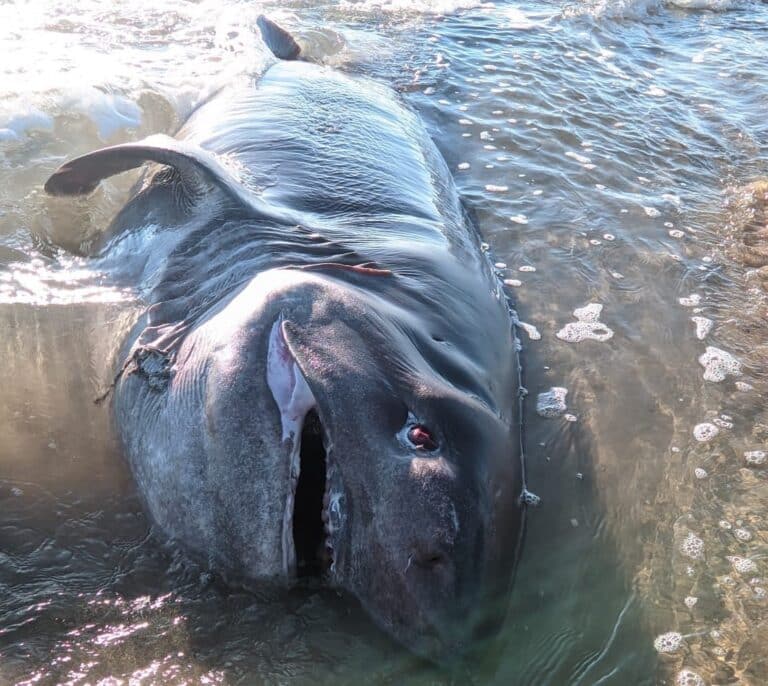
x,y
651,211
693,547
670,642
685,677
705,432
713,5
718,364
637,9
700,473
492,188
462,166
515,283
531,330
756,458
519,219
417,7
703,327
551,403
744,535
692,300
743,565
690,601
587,326
526,268
722,423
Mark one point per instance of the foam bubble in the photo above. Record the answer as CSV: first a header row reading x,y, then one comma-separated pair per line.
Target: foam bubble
x,y
651,211
693,547
755,457
743,565
491,188
703,327
526,268
718,364
529,499
676,233
744,535
519,219
570,418
670,642
656,92
685,677
515,283
743,386
690,601
700,473
551,403
691,301
462,166
531,330
705,432
587,326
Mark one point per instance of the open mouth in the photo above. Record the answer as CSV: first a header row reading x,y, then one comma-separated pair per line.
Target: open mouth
x,y
306,537
311,515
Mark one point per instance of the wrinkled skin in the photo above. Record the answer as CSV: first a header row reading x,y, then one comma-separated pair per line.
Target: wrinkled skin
x,y
258,307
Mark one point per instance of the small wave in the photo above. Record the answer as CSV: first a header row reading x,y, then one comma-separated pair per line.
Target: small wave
x,y
637,9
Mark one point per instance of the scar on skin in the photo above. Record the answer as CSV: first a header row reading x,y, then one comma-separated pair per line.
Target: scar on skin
x,y
365,269
151,363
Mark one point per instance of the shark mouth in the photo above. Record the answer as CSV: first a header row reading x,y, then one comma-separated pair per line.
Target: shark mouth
x,y
306,535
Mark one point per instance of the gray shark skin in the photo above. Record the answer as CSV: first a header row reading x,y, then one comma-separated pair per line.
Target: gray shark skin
x,y
325,381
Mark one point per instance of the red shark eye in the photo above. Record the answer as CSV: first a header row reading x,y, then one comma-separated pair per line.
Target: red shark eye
x,y
421,437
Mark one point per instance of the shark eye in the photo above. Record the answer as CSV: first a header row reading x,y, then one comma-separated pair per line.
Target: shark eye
x,y
421,437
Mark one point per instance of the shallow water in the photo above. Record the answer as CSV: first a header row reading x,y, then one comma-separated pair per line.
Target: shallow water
x,y
596,144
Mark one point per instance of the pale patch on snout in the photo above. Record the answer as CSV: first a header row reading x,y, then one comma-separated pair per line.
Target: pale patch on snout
x,y
288,385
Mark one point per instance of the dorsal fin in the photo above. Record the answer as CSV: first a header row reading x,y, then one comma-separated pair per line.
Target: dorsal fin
x,y
199,171
278,40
